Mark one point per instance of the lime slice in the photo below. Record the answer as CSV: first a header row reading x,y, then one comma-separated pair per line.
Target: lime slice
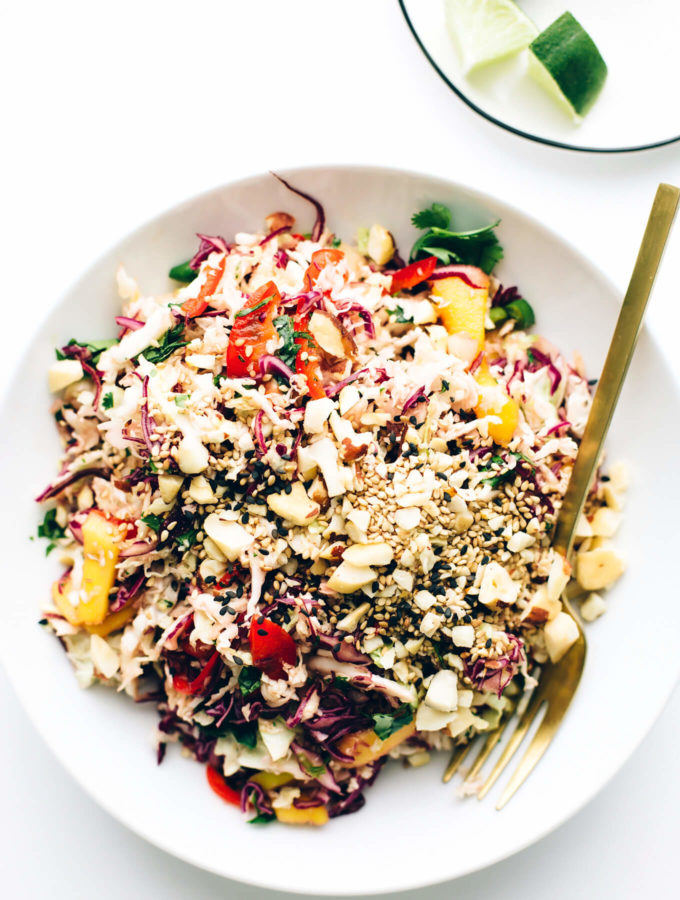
x,y
566,62
487,30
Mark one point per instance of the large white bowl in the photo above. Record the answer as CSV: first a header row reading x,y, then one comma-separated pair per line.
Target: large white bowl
x,y
414,830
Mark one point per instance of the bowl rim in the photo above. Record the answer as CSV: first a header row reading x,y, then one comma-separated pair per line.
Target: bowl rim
x,y
506,126
654,709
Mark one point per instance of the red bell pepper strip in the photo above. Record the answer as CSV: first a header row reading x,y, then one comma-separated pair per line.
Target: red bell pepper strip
x,y
219,785
185,686
307,361
412,275
320,258
253,327
271,646
197,305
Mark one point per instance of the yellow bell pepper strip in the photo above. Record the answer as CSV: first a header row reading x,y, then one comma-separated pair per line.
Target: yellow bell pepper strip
x,y
462,300
365,746
312,815
493,401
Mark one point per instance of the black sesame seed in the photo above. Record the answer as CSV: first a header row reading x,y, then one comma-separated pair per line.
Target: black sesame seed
x,y
262,631
238,660
485,560
489,642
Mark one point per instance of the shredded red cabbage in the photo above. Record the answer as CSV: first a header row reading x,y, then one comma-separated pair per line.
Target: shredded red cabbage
x,y
320,220
209,244
281,259
503,296
53,490
146,419
128,591
364,315
96,377
334,389
129,324
453,271
272,365
261,448
496,674
416,397
273,234
541,360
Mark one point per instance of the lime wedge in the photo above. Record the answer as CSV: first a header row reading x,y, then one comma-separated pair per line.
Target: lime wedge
x,y
566,62
487,30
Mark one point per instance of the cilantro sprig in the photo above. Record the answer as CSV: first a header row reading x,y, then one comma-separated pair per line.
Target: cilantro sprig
x,y
167,345
386,724
478,247
49,528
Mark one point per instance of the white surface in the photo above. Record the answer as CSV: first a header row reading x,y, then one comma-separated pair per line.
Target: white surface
x,y
90,731
99,143
641,62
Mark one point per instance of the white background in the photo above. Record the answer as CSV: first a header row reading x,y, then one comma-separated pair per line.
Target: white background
x,y
114,112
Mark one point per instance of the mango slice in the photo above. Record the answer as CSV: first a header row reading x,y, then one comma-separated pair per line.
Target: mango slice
x,y
495,402
462,307
101,540
365,746
314,815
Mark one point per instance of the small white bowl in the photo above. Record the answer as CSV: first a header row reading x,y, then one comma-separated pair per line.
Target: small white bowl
x,y
413,831
636,109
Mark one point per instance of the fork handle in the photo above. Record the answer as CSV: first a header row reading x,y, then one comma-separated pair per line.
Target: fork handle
x,y
616,365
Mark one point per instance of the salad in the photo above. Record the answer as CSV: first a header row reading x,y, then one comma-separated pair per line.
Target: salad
x,y
305,506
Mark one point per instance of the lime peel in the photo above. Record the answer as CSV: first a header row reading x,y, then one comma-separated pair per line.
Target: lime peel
x,y
565,61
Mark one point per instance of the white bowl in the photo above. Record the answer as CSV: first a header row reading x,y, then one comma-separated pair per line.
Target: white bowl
x,y
413,830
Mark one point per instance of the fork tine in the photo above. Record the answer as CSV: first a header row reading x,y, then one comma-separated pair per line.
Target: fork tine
x,y
459,755
516,739
539,744
489,743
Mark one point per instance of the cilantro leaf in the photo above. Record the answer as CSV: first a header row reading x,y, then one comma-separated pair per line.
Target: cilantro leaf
x,y
167,345
96,348
187,539
261,819
50,529
386,724
435,216
249,679
478,247
154,522
288,352
399,316
107,400
245,734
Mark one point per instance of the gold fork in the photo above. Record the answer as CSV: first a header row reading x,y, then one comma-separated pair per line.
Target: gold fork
x,y
558,681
